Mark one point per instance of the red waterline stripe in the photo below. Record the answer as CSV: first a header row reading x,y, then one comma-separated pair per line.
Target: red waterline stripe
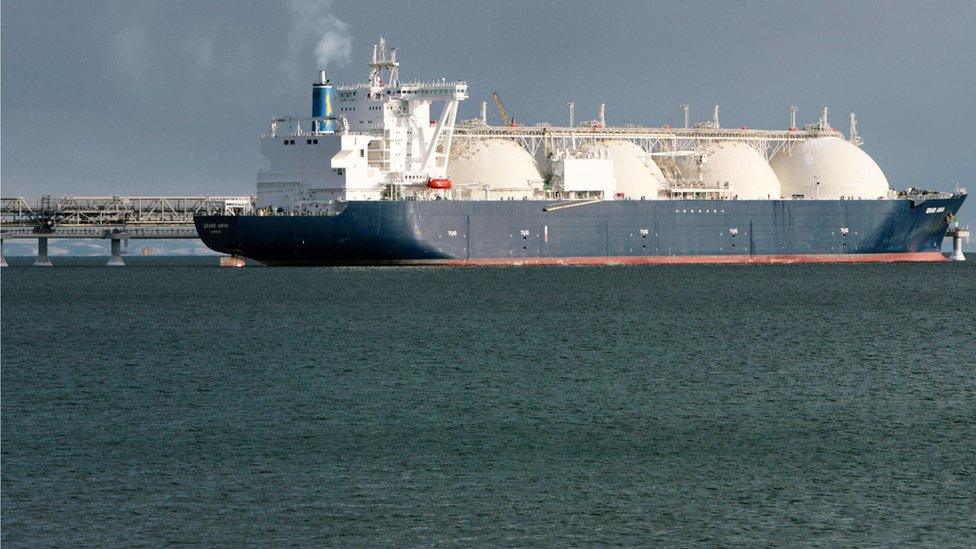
x,y
691,259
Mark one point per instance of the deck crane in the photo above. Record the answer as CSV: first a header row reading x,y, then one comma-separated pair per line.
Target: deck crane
x,y
507,119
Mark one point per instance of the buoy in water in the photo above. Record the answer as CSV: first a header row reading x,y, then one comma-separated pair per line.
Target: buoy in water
x,y
231,261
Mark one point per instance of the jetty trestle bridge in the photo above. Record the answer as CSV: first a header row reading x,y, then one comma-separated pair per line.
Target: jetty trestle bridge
x,y
113,218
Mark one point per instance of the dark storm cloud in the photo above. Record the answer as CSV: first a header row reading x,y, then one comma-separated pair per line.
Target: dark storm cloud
x,y
170,97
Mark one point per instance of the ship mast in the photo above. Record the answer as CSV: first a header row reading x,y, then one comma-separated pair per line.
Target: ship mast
x,y
383,60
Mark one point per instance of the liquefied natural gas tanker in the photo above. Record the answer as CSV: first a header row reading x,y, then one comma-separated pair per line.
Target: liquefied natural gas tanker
x,y
381,174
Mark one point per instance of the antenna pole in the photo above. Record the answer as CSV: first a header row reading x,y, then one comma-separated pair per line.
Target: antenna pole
x,y
854,137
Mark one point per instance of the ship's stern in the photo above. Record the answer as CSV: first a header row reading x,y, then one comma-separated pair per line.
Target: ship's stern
x,y
216,232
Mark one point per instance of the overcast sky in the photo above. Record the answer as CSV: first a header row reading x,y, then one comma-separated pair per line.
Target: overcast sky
x,y
170,97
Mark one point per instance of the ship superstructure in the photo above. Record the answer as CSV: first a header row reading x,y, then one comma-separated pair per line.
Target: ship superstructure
x,y
367,141
382,173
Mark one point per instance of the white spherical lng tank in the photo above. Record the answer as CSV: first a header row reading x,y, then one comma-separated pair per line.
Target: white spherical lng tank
x,y
843,169
505,167
636,174
543,162
746,171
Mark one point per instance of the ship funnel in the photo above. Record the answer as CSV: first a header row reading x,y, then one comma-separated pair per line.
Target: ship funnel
x,y
322,104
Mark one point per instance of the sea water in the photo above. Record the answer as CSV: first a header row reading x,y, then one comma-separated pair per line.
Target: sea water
x,y
171,401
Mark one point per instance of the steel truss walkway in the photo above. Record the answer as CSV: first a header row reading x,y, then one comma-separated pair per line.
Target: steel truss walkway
x,y
114,218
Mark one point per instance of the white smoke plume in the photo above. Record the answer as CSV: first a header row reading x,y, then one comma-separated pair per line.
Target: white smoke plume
x,y
314,23
334,44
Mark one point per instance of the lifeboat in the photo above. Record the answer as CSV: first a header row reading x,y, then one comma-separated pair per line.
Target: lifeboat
x,y
439,183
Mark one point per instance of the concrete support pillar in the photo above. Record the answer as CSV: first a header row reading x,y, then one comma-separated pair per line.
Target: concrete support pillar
x,y
42,259
957,248
3,260
116,259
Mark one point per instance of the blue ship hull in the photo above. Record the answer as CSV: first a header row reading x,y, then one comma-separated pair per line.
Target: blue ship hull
x,y
605,232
